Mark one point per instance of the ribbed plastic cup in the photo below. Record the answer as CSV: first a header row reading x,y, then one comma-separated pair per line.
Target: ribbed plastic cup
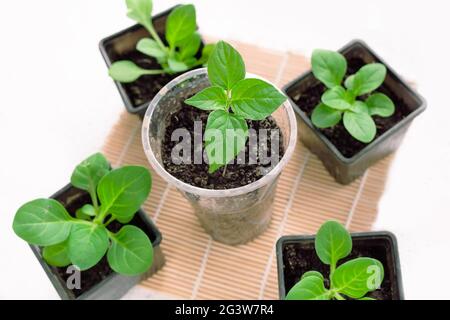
x,y
232,216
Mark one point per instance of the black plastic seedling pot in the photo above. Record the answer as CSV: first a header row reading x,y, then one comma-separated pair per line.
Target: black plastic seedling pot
x,y
346,169
122,46
99,282
296,255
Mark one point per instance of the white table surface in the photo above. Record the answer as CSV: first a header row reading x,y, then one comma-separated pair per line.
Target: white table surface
x,y
58,105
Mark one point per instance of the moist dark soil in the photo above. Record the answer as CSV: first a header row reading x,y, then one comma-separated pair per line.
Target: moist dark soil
x,y
101,270
145,88
236,175
299,258
338,135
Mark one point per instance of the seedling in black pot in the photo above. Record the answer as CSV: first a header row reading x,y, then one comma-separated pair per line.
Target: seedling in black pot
x,y
352,279
180,53
339,103
84,239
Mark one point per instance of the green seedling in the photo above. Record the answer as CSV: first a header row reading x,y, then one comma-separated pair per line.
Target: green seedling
x,y
352,279
84,239
340,101
232,99
183,43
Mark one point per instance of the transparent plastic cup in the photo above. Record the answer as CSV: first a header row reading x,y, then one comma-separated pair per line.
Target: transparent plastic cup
x,y
232,216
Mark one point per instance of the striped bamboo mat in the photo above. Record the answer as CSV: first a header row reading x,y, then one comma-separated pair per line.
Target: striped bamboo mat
x,y
198,267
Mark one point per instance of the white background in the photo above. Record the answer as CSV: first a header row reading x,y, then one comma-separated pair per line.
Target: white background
x,y
58,104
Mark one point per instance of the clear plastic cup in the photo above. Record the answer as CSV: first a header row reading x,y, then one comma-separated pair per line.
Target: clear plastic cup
x,y
232,216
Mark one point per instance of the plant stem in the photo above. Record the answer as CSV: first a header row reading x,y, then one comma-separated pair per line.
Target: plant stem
x,y
93,195
155,36
338,296
153,72
224,170
109,221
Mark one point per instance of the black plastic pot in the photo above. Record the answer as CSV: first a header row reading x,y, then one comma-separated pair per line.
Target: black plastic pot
x,y
379,245
123,42
114,285
344,169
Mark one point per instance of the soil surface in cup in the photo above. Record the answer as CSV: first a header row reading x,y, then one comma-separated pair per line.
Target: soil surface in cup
x,y
236,175
101,270
300,257
338,135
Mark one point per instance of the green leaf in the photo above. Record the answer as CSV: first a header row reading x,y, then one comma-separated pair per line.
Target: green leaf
x,y
336,98
87,244
86,212
367,79
140,11
126,71
360,125
42,222
212,98
309,288
329,67
367,298
151,48
123,191
353,84
225,136
190,46
89,172
181,24
325,117
255,99
177,66
131,252
225,66
380,105
206,53
312,274
359,107
357,277
333,242
57,255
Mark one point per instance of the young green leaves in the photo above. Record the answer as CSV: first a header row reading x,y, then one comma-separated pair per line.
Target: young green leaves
x,y
183,43
232,100
339,103
84,239
353,279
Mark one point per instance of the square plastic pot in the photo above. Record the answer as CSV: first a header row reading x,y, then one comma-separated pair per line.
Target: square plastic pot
x,y
125,41
343,169
231,216
114,286
385,243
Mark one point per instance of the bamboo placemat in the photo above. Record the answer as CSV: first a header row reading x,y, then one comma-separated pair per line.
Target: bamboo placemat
x,y
198,267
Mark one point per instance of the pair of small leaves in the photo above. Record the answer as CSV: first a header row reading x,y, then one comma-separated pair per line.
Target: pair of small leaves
x,y
353,279
339,103
130,251
251,99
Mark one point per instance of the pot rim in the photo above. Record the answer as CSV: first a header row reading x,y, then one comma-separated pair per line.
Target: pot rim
x,y
212,192
361,235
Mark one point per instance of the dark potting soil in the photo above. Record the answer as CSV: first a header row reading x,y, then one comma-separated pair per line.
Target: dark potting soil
x,y
338,135
236,175
145,88
101,270
299,258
